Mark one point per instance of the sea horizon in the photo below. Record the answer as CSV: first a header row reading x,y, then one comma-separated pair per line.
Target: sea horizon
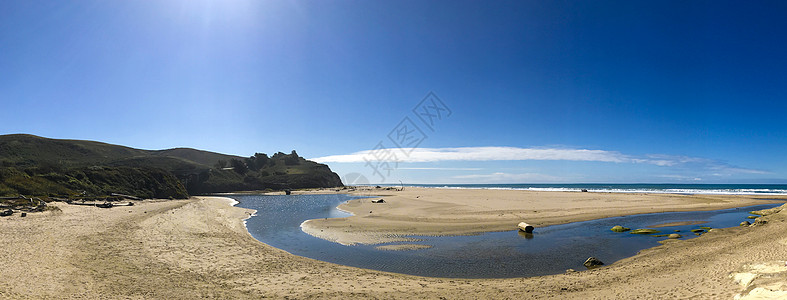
x,y
665,188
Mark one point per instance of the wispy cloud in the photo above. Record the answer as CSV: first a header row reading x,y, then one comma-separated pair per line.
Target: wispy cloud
x,y
481,154
444,169
509,177
419,155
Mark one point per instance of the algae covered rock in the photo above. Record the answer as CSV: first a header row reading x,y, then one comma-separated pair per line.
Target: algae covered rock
x,y
618,228
745,223
697,230
759,222
644,231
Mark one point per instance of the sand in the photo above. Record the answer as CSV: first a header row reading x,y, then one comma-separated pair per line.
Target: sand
x,y
431,211
198,248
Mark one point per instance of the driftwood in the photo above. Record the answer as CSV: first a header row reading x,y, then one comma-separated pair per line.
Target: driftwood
x,y
105,205
100,205
32,204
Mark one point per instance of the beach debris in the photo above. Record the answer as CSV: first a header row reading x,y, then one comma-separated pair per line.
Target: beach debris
x,y
527,228
674,236
745,223
24,214
105,205
7,212
644,231
592,263
618,228
378,201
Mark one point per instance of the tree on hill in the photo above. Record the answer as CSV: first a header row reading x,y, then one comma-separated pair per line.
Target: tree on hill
x,y
221,164
239,166
257,161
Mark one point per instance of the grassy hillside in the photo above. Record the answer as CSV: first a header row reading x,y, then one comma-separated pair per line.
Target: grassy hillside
x,y
33,165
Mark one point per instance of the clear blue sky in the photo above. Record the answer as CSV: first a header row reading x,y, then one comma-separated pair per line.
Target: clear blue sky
x,y
539,91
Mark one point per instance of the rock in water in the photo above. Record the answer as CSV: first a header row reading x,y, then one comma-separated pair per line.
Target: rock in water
x,y
674,236
619,228
592,263
644,231
527,228
745,223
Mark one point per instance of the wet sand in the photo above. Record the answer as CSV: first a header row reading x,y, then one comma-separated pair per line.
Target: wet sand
x,y
198,248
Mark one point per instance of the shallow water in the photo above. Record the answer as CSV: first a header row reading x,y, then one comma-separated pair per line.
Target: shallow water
x,y
549,250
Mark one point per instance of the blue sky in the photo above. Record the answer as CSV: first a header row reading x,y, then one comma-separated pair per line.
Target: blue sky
x,y
538,91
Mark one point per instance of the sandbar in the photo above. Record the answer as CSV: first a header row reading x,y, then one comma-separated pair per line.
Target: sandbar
x,y
440,212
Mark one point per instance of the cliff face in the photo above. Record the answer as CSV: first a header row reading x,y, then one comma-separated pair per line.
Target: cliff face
x,y
33,165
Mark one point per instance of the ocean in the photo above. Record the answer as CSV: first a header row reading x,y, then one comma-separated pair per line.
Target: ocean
x,y
714,189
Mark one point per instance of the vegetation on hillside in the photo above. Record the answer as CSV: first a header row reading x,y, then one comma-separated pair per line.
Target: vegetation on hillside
x,y
32,165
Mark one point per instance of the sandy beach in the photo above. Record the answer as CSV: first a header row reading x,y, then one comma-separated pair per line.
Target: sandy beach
x,y
198,248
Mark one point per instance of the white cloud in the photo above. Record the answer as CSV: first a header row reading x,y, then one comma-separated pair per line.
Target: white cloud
x,y
477,154
419,155
489,154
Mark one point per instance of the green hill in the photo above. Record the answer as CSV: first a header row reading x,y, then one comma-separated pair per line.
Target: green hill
x,y
33,165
